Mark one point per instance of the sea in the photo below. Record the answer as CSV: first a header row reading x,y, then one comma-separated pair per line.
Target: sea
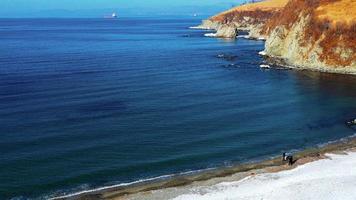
x,y
89,103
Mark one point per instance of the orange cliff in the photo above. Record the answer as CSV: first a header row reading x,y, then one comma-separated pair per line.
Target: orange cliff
x,y
248,17
309,34
317,35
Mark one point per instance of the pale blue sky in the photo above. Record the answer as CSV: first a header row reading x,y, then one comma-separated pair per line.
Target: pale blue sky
x,y
93,8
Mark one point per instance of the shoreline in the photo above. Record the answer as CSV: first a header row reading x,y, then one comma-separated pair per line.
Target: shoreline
x,y
139,189
224,173
273,60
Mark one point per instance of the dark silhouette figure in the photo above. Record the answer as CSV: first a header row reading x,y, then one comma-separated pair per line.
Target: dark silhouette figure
x,y
284,156
289,158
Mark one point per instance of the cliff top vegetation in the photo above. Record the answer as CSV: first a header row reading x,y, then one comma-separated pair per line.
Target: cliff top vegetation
x,y
268,5
343,11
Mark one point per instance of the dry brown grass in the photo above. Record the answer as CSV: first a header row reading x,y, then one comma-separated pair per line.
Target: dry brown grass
x,y
266,7
331,21
263,5
338,12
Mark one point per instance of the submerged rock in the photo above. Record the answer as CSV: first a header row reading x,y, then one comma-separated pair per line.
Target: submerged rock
x,y
227,57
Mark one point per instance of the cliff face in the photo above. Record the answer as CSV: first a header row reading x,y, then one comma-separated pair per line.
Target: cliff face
x,y
312,34
317,35
249,17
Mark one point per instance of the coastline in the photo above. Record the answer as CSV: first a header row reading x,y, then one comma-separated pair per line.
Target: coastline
x,y
143,189
273,60
279,61
311,108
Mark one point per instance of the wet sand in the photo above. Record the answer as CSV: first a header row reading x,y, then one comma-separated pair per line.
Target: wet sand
x,y
179,183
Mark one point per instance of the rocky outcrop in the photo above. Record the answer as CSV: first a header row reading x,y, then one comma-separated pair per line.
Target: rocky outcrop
x,y
222,30
249,17
304,39
226,31
308,34
209,25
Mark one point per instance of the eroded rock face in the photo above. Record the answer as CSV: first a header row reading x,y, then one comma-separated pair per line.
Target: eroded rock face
x,y
248,17
222,30
209,25
304,34
230,30
309,43
226,31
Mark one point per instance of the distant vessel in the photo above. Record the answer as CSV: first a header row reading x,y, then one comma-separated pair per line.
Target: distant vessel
x,y
114,15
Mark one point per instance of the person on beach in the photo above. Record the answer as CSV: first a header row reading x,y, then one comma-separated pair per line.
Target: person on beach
x,y
287,157
290,160
284,156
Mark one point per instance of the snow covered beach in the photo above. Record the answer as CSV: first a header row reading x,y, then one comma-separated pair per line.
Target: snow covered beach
x,y
331,178
327,172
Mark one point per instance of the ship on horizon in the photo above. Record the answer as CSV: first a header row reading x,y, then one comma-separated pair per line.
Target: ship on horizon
x,y
114,15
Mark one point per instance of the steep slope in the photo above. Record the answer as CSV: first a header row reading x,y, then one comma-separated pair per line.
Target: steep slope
x,y
317,35
249,17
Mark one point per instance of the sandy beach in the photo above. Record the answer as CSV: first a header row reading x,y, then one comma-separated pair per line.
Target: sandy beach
x,y
326,172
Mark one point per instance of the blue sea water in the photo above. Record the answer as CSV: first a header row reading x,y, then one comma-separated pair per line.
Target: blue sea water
x,y
86,103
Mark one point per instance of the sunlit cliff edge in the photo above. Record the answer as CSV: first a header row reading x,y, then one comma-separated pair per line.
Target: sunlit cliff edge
x,y
249,17
317,35
308,34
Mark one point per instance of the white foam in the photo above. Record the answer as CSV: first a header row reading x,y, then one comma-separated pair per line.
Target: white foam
x,y
111,187
265,66
326,179
261,38
262,53
243,36
128,184
210,34
197,27
201,28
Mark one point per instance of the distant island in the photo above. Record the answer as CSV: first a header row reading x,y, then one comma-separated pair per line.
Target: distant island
x,y
315,35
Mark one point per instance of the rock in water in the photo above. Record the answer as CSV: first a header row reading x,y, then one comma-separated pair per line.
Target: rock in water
x,y
226,31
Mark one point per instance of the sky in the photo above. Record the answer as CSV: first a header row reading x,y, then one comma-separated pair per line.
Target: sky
x,y
97,8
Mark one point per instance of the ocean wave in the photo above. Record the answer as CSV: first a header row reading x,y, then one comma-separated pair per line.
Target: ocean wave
x,y
265,66
195,27
210,34
163,177
243,36
112,187
262,53
344,139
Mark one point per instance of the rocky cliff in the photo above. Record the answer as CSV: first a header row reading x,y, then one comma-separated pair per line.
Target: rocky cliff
x,y
249,17
317,35
309,34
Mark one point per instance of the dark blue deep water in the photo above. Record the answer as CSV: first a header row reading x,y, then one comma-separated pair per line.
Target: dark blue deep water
x,y
86,103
